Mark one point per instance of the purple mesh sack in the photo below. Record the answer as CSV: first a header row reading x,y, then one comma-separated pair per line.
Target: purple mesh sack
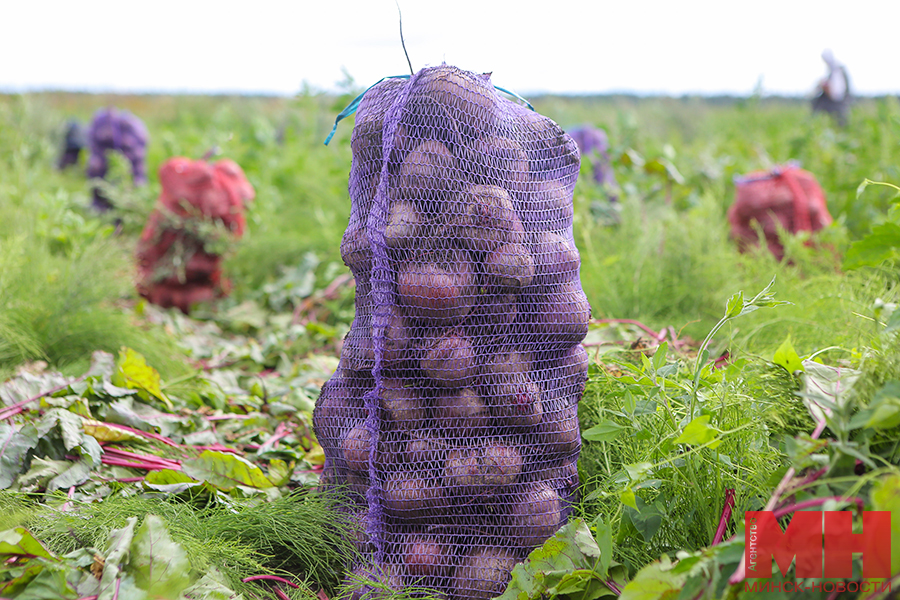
x,y
593,143
116,130
451,421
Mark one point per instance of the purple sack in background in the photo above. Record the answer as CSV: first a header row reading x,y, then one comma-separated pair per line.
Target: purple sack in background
x,y
594,145
451,422
116,130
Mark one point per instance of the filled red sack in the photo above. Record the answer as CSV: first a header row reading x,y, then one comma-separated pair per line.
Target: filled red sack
x,y
200,212
785,196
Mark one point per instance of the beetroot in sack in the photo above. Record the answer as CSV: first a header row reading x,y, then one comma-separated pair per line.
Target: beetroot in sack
x,y
200,212
786,197
594,146
452,419
116,130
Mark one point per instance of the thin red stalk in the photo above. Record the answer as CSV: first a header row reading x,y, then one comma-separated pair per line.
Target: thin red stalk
x,y
270,578
216,448
89,598
226,417
140,457
20,405
726,516
116,593
146,434
281,595
815,502
611,585
137,465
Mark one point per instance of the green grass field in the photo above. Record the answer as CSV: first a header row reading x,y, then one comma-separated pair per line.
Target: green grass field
x,y
666,436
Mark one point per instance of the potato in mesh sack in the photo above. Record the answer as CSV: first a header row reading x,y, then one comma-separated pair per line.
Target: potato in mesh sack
x,y
786,196
452,417
200,212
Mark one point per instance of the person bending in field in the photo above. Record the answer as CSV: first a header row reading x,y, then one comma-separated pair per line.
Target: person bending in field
x,y
120,131
834,90
199,214
75,139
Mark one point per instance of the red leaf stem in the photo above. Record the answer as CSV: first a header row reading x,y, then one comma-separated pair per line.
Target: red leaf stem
x,y
816,502
726,516
270,578
14,409
146,434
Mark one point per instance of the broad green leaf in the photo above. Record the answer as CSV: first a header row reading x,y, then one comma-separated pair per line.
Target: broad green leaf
x,y
875,248
78,472
212,586
133,372
69,426
638,471
735,305
886,496
104,432
160,566
885,407
659,357
43,470
14,446
603,536
118,544
280,471
697,432
19,542
604,431
826,387
169,481
628,404
564,564
627,498
787,357
50,584
225,471
646,518
655,581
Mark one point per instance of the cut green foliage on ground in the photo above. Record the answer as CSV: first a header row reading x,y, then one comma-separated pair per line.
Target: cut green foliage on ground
x,y
144,453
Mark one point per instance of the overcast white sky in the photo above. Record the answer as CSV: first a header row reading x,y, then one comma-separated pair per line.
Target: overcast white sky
x,y
601,46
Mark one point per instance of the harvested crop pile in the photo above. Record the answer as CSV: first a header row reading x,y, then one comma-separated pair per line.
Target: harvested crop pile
x,y
200,212
786,197
451,420
116,130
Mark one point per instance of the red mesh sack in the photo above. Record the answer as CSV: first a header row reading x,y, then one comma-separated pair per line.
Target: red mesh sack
x,y
199,213
786,196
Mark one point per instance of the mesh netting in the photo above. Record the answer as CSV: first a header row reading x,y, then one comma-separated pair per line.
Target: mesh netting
x,y
199,212
452,418
594,145
785,197
116,130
